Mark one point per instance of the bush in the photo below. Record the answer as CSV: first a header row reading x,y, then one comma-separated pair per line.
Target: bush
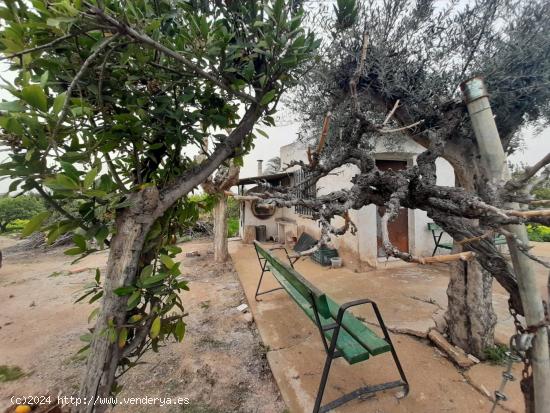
x,y
18,208
232,227
16,225
538,233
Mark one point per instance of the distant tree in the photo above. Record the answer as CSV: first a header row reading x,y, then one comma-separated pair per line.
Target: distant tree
x,y
273,165
20,207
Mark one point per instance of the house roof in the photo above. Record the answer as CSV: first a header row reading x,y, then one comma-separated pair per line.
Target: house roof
x,y
268,178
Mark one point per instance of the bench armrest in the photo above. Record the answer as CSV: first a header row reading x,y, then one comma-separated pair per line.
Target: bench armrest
x,y
289,258
344,307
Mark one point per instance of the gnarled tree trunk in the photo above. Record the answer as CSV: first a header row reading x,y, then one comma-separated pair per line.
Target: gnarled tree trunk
x,y
470,317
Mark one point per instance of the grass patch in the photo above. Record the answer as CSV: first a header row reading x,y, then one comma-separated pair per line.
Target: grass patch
x,y
10,373
232,227
496,354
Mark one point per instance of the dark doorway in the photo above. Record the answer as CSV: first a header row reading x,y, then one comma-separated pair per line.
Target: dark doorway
x,y
399,228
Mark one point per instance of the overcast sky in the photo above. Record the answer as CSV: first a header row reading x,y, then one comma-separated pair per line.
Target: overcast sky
x,y
536,145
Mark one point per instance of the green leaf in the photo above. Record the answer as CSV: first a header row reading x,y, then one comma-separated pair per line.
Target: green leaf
x,y
155,328
146,272
135,318
154,279
268,97
167,261
34,95
58,102
122,336
90,177
86,338
79,241
179,330
14,106
44,79
93,314
263,133
70,170
61,182
101,236
96,297
134,300
34,223
123,291
73,251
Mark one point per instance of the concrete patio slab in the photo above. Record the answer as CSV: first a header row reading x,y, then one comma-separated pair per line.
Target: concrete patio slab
x,y
408,297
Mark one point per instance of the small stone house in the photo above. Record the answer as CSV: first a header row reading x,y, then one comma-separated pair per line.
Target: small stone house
x,y
409,231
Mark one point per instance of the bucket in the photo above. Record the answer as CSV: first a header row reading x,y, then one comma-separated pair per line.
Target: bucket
x,y
336,262
261,233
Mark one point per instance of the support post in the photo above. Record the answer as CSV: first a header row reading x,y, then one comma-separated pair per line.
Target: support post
x,y
494,159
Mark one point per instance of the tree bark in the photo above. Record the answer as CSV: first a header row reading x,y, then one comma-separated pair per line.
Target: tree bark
x,y
470,316
132,226
220,229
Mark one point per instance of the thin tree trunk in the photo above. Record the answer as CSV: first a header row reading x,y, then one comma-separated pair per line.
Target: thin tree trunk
x,y
220,229
132,226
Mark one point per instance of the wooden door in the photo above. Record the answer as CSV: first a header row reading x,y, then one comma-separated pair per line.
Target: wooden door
x,y
398,229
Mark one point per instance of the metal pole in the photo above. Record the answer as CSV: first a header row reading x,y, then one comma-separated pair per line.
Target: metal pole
x,y
492,154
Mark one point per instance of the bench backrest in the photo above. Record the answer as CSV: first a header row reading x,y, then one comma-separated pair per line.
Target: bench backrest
x,y
303,286
432,226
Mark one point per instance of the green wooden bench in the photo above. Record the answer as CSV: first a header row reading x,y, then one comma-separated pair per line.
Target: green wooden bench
x,y
437,233
342,334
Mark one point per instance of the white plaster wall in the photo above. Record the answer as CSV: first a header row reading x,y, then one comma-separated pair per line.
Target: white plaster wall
x,y
250,219
364,242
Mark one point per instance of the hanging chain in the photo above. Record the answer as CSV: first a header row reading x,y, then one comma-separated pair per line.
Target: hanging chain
x,y
520,344
524,343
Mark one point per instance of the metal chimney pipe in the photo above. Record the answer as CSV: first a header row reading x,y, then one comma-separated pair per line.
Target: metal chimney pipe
x,y
260,170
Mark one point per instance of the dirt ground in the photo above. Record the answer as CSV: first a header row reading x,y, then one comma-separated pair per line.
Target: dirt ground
x,y
220,366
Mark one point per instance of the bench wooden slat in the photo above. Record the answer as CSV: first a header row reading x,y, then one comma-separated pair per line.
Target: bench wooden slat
x,y
351,350
358,330
355,340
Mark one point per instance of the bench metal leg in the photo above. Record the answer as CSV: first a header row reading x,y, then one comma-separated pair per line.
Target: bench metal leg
x,y
437,240
263,266
332,353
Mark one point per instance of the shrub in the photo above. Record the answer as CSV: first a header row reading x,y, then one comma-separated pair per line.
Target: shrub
x,y
18,208
538,233
232,227
16,225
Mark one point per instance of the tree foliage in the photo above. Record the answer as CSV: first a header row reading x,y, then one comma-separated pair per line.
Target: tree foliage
x,y
111,102
22,207
392,72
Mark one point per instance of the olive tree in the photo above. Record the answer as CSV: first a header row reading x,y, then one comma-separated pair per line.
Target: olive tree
x,y
111,102
392,70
